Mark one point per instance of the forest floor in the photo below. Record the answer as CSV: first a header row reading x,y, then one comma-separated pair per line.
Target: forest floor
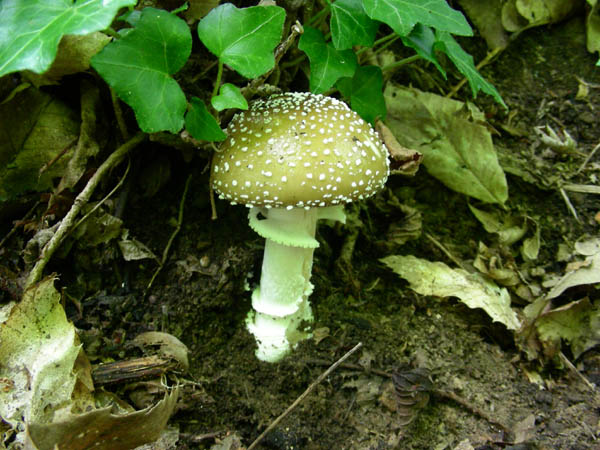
x,y
484,391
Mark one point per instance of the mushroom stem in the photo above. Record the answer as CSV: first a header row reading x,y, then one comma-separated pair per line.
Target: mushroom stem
x,y
281,308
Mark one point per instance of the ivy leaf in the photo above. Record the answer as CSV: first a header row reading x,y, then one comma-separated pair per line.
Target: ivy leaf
x,y
464,63
422,40
327,65
243,38
229,97
138,67
201,124
30,30
365,92
350,25
402,15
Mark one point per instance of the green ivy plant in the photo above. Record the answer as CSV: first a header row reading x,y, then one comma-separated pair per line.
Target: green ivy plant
x,y
142,62
139,65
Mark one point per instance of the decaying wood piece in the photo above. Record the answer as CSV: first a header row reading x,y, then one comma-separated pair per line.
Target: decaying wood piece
x,y
131,370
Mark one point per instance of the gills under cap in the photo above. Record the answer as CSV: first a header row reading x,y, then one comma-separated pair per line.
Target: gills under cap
x,y
299,150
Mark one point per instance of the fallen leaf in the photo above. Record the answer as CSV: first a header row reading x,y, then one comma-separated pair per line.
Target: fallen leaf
x,y
38,351
102,430
571,322
457,147
436,278
588,273
37,132
168,344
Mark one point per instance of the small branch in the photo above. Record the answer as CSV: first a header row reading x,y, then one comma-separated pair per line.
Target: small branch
x,y
470,407
69,220
119,114
570,206
579,375
18,224
437,392
251,87
587,159
165,254
57,157
439,245
303,395
101,202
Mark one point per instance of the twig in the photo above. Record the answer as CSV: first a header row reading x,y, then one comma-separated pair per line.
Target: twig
x,y
119,114
195,438
16,226
474,409
101,202
440,393
581,188
67,222
446,252
570,206
587,159
296,30
573,369
57,157
165,254
303,395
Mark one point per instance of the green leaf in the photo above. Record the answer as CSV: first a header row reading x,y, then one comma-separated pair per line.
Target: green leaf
x,y
30,30
456,145
230,96
422,40
475,291
138,67
403,15
327,65
200,124
350,25
464,63
365,93
245,38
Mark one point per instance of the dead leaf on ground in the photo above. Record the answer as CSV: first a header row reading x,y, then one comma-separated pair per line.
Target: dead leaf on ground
x,y
404,161
169,345
456,145
102,430
436,278
46,382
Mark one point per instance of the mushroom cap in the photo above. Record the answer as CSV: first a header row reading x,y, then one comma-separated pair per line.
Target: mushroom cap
x,y
299,150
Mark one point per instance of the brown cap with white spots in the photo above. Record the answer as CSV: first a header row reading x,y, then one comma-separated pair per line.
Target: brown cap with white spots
x,y
299,150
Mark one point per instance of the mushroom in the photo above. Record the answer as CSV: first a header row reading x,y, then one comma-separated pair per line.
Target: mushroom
x,y
293,159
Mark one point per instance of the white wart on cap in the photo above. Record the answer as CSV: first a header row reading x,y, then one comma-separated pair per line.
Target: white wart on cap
x,y
299,150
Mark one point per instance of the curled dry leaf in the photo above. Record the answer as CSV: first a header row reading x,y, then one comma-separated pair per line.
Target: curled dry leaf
x,y
404,161
168,344
100,429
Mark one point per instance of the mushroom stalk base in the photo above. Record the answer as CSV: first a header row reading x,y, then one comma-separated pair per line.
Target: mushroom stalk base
x,y
282,314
